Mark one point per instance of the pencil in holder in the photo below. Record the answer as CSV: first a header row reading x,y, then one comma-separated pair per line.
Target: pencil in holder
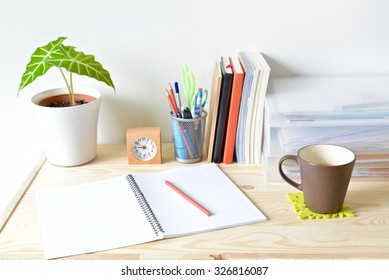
x,y
188,138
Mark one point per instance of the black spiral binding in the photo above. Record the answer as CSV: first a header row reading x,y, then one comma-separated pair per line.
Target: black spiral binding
x,y
155,225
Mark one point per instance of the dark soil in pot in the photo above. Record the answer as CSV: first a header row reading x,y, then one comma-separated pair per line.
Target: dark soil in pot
x,y
63,100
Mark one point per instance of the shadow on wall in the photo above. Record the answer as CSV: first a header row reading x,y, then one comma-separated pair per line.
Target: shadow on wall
x,y
277,68
118,115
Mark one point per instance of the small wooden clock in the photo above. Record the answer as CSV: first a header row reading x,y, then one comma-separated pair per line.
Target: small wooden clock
x,y
144,145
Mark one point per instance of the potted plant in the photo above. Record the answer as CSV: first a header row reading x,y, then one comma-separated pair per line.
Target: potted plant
x,y
68,115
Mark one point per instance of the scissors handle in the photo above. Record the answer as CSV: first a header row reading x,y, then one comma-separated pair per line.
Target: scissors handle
x,y
189,83
197,102
205,97
185,79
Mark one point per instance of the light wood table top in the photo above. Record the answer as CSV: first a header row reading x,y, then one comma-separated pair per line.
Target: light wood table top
x,y
365,236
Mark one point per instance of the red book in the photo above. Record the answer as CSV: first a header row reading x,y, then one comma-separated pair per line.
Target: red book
x,y
236,94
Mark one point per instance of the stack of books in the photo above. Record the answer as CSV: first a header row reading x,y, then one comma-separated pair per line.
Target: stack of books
x,y
236,109
351,111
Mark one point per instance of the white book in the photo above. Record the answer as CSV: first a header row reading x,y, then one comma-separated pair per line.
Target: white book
x,y
257,124
250,123
139,208
241,143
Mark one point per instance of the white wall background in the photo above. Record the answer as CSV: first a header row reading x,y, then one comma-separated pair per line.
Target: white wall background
x,y
144,44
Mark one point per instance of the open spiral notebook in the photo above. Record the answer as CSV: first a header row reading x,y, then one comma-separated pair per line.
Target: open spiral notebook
x,y
138,208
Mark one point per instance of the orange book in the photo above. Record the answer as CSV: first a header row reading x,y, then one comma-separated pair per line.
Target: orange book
x,y
236,94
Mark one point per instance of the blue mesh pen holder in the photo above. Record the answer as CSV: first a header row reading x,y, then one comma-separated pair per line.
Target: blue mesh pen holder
x,y
188,137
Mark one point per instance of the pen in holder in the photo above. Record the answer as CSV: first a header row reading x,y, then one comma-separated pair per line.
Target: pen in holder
x,y
188,137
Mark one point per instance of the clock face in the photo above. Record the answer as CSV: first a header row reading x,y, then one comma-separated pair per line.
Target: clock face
x,y
144,148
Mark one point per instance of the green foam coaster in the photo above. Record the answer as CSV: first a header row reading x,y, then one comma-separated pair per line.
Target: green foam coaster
x,y
297,200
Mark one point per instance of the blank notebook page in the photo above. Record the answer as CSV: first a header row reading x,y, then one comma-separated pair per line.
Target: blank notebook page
x,y
207,185
91,217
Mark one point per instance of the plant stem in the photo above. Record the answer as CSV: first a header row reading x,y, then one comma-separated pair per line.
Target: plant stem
x,y
71,84
70,87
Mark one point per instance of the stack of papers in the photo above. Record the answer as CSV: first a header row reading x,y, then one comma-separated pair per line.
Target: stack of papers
x,y
351,111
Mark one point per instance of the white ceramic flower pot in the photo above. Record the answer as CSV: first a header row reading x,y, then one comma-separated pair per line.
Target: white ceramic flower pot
x,y
69,133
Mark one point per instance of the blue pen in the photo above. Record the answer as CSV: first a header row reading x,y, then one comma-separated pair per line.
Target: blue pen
x,y
178,94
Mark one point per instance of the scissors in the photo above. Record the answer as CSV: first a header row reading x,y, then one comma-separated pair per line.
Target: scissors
x,y
198,102
189,84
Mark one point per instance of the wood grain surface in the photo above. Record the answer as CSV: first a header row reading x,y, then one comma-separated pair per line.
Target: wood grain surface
x,y
284,236
4,216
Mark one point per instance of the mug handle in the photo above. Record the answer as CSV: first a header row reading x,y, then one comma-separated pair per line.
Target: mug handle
x,y
286,178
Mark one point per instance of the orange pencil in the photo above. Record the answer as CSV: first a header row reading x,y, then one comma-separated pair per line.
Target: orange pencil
x,y
202,209
173,98
172,107
175,113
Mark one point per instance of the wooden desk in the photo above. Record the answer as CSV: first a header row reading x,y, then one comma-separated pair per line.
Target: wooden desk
x,y
365,236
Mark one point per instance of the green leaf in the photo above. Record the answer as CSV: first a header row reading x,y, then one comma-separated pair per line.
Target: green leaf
x,y
38,65
81,64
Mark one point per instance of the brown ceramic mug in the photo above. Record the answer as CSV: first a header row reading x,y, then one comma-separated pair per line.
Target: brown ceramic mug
x,y
325,175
